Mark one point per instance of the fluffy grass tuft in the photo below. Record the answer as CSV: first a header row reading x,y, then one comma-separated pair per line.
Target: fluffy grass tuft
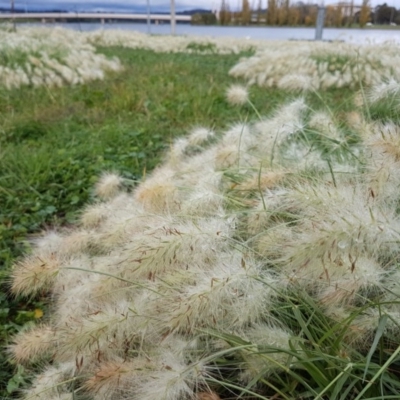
x,y
237,95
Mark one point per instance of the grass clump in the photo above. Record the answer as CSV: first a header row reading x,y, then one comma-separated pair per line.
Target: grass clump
x,y
156,285
382,101
49,58
302,66
258,259
55,144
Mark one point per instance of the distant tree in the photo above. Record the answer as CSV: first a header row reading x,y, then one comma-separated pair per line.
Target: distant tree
x,y
301,7
246,12
384,14
307,13
204,19
365,13
225,15
271,12
259,11
338,16
283,11
311,16
350,19
293,17
330,16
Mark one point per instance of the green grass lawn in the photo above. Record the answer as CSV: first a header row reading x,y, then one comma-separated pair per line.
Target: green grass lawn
x,y
55,143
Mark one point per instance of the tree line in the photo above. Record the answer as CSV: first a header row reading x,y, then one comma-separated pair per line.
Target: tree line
x,y
288,13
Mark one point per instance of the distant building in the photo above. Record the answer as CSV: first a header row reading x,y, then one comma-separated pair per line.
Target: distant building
x,y
348,8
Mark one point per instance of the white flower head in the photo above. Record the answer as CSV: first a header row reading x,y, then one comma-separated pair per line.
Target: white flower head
x,y
200,135
108,185
237,95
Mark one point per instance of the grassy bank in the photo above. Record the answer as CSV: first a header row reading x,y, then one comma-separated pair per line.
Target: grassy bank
x,y
56,142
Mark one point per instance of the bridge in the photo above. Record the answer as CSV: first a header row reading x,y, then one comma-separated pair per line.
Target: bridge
x,y
98,16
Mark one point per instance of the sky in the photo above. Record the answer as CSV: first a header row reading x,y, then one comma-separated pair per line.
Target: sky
x,y
141,4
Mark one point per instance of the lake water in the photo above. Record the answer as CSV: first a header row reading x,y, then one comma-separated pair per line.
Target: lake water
x,y
270,33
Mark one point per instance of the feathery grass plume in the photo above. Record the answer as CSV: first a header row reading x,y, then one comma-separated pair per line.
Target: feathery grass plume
x,y
261,181
359,100
322,122
357,122
326,65
331,222
93,215
286,121
33,57
296,82
32,344
271,242
93,284
199,136
386,140
383,90
267,355
233,150
258,220
352,225
170,44
296,154
239,135
204,201
358,333
383,101
81,287
173,246
123,203
74,272
363,325
159,193
116,378
108,185
49,243
34,273
391,286
76,242
346,282
237,95
177,151
207,396
52,384
194,172
198,169
383,155
193,181
124,224
335,144
72,305
232,282
226,157
172,379
101,333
